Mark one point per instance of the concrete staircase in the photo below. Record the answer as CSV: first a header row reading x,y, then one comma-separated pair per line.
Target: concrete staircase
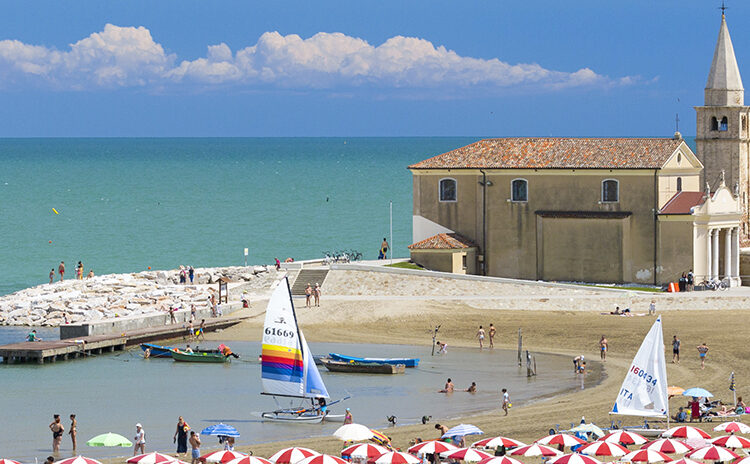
x,y
308,276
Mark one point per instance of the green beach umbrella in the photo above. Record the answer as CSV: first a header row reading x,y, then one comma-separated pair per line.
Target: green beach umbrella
x,y
109,439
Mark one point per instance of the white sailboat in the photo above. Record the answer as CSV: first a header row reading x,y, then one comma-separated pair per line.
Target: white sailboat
x,y
644,390
288,368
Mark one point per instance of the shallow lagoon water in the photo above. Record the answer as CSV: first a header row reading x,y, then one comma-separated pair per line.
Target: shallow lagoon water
x,y
112,392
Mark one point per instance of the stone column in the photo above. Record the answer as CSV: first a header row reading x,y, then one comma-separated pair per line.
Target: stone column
x,y
736,255
709,257
728,254
715,254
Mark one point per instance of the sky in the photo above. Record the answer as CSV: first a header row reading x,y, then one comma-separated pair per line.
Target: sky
x,y
358,67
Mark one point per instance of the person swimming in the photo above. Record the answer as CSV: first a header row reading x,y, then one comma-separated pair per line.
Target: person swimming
x,y
448,387
472,388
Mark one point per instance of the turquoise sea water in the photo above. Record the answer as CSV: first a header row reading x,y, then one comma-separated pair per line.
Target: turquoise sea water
x,y
126,204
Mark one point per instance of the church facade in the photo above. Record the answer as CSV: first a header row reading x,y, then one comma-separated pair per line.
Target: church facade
x,y
639,210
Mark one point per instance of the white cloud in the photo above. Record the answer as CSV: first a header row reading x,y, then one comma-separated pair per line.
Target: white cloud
x,y
129,57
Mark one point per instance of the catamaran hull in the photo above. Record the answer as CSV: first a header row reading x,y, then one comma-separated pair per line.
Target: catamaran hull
x,y
334,418
292,418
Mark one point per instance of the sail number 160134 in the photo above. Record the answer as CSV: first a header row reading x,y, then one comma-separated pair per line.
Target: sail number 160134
x,y
279,332
640,373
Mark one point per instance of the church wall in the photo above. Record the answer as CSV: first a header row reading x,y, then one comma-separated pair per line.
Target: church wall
x,y
668,185
438,260
675,249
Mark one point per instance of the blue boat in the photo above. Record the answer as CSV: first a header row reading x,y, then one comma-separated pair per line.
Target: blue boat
x,y
157,351
408,362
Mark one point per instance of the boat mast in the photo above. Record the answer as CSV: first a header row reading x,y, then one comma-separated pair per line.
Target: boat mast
x,y
299,337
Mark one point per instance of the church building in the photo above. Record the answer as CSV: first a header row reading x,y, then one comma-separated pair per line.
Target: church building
x,y
640,210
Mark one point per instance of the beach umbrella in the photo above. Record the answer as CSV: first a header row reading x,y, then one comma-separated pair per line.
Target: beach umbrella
x,y
602,448
712,453
574,458
292,455
624,437
397,457
151,458
668,446
221,430
222,456
499,460
674,391
687,461
249,460
739,461
109,439
462,430
535,450
560,439
431,447
78,460
497,441
466,454
685,431
353,432
379,438
8,461
646,455
731,441
698,392
323,459
588,428
731,427
366,451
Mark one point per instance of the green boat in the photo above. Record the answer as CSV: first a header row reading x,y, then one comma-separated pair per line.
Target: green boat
x,y
201,357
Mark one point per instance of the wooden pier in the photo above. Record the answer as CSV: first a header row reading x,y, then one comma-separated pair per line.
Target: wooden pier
x,y
53,350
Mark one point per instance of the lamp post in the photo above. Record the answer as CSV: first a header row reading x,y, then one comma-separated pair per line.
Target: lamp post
x,y
390,213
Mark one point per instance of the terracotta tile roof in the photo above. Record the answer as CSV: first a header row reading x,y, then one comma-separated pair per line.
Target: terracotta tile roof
x,y
534,153
682,202
443,242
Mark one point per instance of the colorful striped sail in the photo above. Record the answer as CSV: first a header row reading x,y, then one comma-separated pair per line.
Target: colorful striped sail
x,y
287,366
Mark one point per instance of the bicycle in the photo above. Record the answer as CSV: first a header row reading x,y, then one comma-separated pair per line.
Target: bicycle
x,y
714,284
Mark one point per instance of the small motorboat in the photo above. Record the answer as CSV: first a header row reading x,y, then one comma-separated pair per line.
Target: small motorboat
x,y
199,356
407,362
157,351
363,368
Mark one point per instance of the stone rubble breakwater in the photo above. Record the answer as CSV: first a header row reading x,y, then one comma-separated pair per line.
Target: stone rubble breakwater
x,y
122,295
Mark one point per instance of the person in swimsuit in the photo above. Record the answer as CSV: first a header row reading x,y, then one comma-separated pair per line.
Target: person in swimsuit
x,y
384,248
448,387
195,445
702,350
73,432
91,274
140,440
472,388
57,432
603,346
316,294
506,400
348,419
480,336
61,270
180,435
443,429
79,271
492,333
52,275
308,294
676,349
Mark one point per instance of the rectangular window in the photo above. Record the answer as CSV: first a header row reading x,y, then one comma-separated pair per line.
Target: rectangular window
x,y
610,193
447,190
519,190
463,261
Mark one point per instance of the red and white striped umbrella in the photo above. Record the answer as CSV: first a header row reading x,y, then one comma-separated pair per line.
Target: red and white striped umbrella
x,y
397,457
646,455
323,459
602,448
149,458
78,460
222,456
685,431
574,458
8,461
494,442
431,447
668,446
466,454
364,451
249,460
292,455
535,450
560,439
688,461
499,460
731,441
732,427
740,461
712,453
624,437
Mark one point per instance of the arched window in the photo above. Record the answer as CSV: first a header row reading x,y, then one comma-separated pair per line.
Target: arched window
x,y
679,184
723,125
714,123
610,191
447,189
519,190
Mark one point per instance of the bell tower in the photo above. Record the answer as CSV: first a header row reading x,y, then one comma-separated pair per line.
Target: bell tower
x,y
721,137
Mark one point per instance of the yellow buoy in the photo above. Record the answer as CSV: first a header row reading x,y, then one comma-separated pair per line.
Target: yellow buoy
x,y
55,211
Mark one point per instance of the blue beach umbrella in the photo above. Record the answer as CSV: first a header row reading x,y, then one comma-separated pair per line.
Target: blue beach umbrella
x,y
221,429
698,392
462,430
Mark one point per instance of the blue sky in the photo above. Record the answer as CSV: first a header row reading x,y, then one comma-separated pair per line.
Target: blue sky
x,y
358,67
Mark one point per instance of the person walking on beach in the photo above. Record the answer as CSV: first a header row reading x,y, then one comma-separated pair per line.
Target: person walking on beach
x,y
61,270
348,419
52,275
308,295
492,333
195,446
480,336
183,275
277,263
383,254
316,294
57,432
180,435
603,347
172,318
140,440
652,308
702,350
79,271
506,400
73,432
191,273
675,350
192,312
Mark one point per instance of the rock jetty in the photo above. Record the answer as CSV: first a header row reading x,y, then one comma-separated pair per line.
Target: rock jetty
x,y
120,295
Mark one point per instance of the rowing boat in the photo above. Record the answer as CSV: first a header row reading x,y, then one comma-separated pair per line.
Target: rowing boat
x,y
157,351
363,368
407,362
201,357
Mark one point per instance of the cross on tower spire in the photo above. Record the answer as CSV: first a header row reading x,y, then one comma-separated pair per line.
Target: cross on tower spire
x,y
723,7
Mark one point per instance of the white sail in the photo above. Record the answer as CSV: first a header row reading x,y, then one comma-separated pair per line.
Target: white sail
x,y
644,390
